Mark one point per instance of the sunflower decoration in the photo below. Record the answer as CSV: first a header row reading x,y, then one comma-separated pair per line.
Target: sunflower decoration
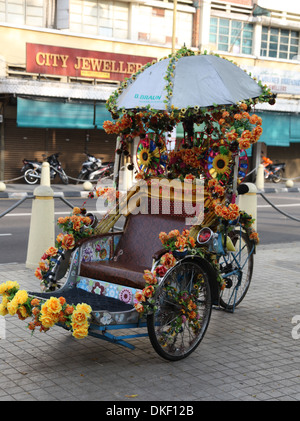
x,y
150,156
218,165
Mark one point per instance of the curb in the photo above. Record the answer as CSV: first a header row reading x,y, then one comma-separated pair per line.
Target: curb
x,y
20,195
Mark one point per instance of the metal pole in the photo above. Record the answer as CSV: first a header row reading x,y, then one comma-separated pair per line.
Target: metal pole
x,y
174,26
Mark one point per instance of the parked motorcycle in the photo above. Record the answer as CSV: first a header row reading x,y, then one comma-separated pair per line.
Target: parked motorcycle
x,y
93,169
32,169
273,172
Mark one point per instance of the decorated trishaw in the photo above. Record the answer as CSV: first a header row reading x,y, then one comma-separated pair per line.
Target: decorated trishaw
x,y
186,245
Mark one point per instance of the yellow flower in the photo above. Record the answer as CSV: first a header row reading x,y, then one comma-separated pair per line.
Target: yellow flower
x,y
7,286
12,307
3,310
221,164
85,308
47,321
53,305
79,317
81,331
23,312
21,296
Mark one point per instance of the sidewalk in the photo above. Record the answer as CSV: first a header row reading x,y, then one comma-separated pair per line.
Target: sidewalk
x,y
247,355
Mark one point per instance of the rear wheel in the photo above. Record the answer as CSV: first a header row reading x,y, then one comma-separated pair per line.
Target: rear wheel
x,y
31,176
277,176
183,308
237,284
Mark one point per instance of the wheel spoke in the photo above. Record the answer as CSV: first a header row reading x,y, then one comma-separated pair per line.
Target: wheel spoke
x,y
184,308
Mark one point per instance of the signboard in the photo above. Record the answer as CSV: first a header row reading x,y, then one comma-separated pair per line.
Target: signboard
x,y
279,81
73,62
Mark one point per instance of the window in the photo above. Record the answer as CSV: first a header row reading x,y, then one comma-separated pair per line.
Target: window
x,y
279,43
231,35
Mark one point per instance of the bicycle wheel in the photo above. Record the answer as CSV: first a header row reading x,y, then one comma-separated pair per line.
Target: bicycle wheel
x,y
183,309
241,263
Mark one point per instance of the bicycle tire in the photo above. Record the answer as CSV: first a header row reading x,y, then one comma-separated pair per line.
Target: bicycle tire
x,y
172,337
244,255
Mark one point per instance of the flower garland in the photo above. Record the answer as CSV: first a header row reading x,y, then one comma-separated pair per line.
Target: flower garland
x,y
75,226
45,313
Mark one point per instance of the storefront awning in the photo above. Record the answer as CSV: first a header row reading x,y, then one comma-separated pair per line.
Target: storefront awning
x,y
276,129
45,114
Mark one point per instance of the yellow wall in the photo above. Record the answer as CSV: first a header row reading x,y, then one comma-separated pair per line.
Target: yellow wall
x,y
13,44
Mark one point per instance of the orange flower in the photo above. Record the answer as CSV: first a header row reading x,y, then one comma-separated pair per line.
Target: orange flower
x,y
38,273
232,135
180,243
76,210
35,302
69,309
192,315
52,251
68,242
237,116
139,296
168,260
244,144
76,225
148,291
139,308
163,236
60,237
191,240
62,300
149,277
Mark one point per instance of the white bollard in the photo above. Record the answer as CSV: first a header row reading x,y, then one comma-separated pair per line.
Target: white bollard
x,y
2,186
289,183
260,177
88,186
42,231
248,202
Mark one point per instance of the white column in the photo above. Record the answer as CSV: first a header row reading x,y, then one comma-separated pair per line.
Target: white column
x,y
204,24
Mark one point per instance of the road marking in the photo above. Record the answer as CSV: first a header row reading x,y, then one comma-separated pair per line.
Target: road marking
x,y
2,235
287,205
29,214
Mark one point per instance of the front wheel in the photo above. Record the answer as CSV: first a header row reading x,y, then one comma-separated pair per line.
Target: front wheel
x,y
63,176
182,311
31,176
237,268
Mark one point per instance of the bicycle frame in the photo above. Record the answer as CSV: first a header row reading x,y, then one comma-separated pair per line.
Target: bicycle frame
x,y
237,258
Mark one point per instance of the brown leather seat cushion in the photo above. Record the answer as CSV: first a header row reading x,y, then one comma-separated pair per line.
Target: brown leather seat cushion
x,y
114,272
135,250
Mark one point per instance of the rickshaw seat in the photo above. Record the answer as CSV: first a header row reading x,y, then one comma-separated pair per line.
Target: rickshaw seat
x,y
139,242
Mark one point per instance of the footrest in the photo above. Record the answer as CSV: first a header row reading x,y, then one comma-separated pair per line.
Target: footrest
x,y
77,296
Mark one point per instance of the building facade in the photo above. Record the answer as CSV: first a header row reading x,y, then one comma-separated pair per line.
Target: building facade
x,y
61,59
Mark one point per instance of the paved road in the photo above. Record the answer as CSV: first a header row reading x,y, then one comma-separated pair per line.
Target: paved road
x,y
273,227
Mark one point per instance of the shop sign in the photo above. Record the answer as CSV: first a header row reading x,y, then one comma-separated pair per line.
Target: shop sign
x,y
279,81
73,62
